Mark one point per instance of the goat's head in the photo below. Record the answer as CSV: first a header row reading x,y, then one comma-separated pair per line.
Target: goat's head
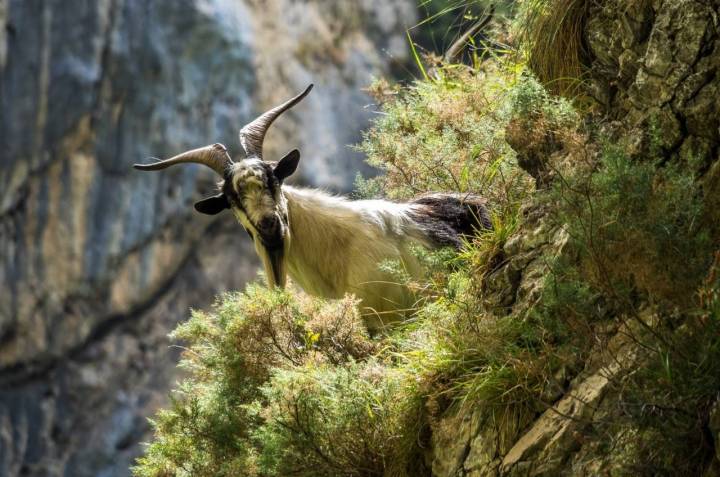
x,y
250,188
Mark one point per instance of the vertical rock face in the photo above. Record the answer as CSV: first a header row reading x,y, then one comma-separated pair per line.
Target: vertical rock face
x,y
98,262
655,66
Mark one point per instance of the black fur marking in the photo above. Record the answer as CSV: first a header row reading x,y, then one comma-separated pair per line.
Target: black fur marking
x,y
446,218
270,231
271,181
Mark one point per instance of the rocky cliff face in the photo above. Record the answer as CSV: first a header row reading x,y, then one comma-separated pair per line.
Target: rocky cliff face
x,y
654,64
99,262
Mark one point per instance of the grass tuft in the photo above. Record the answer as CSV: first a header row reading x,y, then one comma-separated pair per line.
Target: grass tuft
x,y
551,32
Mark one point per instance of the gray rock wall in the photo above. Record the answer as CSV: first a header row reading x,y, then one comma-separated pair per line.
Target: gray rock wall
x,y
99,262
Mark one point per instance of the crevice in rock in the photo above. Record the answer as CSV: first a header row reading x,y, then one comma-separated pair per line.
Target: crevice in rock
x,y
105,55
22,373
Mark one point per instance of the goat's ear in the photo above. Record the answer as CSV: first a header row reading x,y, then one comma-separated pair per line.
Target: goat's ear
x,y
212,205
287,165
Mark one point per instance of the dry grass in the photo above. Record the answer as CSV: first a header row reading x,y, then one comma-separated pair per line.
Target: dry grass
x,y
553,34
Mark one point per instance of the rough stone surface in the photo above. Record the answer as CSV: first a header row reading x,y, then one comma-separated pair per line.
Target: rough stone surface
x,y
559,432
450,443
98,262
654,67
482,458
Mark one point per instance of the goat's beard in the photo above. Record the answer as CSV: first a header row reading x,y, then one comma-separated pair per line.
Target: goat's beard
x,y
273,256
273,260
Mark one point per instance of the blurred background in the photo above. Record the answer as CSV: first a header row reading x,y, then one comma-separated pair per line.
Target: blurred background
x,y
99,262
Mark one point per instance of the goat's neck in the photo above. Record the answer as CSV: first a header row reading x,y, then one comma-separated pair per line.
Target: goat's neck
x,y
321,229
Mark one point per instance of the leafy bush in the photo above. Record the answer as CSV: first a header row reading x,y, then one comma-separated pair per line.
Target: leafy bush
x,y
668,401
230,354
356,420
637,227
639,253
446,135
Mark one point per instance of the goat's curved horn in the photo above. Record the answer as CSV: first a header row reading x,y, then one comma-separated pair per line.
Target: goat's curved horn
x,y
214,156
252,135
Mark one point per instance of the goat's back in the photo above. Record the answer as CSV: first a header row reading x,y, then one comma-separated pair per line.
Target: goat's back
x,y
445,218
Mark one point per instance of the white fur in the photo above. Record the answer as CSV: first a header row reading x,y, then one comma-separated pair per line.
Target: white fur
x,y
336,246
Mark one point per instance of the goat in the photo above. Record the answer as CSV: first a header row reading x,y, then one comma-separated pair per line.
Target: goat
x,y
328,245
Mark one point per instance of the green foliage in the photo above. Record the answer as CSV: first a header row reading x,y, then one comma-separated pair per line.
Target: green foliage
x,y
637,257
362,419
230,355
446,135
667,402
637,227
530,100
277,384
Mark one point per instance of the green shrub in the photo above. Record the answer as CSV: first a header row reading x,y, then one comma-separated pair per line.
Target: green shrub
x,y
230,353
637,227
507,367
446,135
449,134
360,419
638,240
668,400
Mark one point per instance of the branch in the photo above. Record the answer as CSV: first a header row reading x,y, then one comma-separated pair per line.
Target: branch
x,y
457,47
